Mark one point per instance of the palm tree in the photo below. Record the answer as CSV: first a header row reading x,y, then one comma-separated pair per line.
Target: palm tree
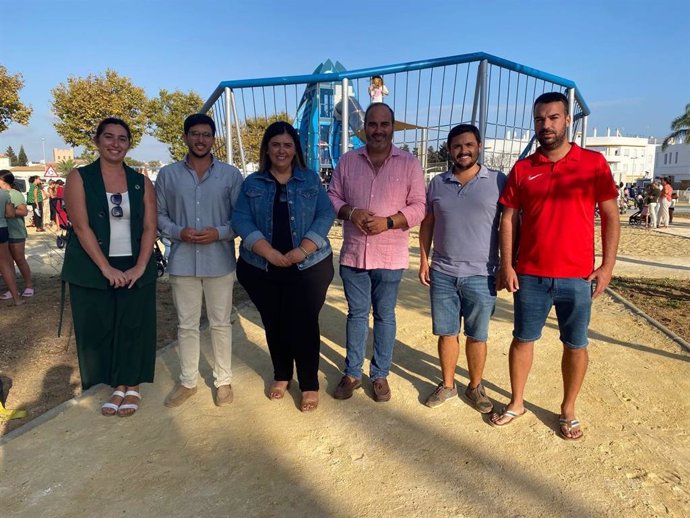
x,y
65,166
681,129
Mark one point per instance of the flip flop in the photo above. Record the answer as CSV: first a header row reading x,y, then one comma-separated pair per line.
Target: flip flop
x,y
6,296
309,404
129,406
112,406
505,413
276,392
28,292
567,427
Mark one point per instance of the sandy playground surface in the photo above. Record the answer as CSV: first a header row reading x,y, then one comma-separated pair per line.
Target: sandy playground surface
x,y
357,457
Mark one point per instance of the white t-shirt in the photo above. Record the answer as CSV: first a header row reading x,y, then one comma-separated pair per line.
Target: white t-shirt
x,y
120,230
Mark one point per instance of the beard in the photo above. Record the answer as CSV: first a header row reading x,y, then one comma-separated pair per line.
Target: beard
x,y
554,141
460,167
199,155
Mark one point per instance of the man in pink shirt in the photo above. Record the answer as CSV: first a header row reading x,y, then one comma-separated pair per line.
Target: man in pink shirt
x,y
378,192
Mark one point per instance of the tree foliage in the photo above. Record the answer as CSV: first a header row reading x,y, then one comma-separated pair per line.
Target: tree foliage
x,y
680,129
167,114
82,102
22,159
65,166
252,132
11,155
11,107
133,162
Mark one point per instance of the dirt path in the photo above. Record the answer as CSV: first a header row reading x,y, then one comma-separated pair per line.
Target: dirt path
x,y
357,457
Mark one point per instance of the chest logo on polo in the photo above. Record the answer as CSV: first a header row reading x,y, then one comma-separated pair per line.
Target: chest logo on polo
x,y
532,177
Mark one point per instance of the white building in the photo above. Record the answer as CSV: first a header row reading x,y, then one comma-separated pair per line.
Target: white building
x,y
674,162
630,158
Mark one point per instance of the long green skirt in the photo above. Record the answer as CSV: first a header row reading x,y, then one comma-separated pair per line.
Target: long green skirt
x,y
115,331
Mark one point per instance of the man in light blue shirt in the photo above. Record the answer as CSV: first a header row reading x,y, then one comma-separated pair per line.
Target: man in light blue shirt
x,y
196,197
462,220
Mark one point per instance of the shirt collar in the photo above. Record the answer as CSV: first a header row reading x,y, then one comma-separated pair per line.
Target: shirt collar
x,y
395,151
186,162
297,173
573,155
449,177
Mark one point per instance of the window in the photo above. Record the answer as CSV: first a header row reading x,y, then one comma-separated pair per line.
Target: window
x,y
326,102
617,152
665,158
626,152
676,157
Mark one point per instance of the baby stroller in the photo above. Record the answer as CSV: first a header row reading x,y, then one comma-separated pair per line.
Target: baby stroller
x,y
638,218
63,221
161,261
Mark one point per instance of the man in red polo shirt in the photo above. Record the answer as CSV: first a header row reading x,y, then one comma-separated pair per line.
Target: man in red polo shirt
x,y
547,252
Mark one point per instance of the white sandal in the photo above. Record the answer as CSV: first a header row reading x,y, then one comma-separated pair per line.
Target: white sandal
x,y
112,406
129,406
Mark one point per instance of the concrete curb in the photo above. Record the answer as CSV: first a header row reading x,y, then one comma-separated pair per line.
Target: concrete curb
x,y
637,311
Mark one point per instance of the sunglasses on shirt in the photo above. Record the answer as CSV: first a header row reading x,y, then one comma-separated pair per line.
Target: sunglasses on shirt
x,y
116,199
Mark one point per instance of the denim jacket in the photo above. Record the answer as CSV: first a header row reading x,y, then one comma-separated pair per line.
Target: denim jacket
x,y
311,215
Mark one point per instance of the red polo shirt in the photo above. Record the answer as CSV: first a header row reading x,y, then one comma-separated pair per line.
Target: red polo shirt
x,y
557,200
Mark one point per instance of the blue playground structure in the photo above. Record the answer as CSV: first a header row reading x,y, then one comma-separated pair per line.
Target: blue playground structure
x,y
319,120
429,97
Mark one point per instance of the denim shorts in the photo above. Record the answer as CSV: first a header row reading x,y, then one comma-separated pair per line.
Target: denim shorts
x,y
572,298
472,299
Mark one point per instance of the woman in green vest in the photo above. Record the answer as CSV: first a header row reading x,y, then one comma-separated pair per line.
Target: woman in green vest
x,y
110,270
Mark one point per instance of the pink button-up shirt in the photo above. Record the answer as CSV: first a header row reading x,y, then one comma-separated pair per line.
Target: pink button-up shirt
x,y
397,187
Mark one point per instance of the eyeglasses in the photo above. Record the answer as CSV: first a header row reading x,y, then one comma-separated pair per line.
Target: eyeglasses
x,y
201,134
116,199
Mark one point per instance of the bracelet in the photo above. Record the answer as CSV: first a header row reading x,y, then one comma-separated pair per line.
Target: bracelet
x,y
352,210
304,251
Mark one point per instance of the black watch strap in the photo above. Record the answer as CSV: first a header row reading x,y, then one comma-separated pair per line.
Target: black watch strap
x,y
389,222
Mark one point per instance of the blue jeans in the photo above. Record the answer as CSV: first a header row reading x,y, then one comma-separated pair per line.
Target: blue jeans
x,y
472,299
572,298
364,289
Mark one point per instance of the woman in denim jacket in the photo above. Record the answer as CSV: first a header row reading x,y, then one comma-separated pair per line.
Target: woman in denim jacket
x,y
286,263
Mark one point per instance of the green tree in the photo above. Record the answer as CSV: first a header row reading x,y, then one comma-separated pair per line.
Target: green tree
x,y
133,162
22,160
11,107
65,166
154,164
167,114
11,155
83,102
88,155
680,127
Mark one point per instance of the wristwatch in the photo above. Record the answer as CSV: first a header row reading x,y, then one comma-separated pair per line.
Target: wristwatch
x,y
389,223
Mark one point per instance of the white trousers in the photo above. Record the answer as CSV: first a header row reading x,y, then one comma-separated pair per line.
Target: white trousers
x,y
653,214
187,296
664,204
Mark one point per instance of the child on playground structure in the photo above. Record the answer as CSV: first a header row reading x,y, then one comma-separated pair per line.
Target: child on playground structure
x,y
377,89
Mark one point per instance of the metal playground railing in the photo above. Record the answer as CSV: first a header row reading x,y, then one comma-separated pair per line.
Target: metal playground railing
x,y
429,97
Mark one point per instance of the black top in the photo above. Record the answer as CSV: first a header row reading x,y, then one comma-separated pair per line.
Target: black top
x,y
282,239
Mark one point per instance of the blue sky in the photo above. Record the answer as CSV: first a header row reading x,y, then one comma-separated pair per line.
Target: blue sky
x,y
628,58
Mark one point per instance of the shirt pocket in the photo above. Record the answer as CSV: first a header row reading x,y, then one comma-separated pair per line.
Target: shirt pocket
x,y
308,193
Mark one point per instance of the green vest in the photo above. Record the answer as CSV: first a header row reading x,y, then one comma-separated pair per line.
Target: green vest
x,y
78,268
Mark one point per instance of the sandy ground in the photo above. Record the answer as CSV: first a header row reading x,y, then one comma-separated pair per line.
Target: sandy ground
x,y
358,457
